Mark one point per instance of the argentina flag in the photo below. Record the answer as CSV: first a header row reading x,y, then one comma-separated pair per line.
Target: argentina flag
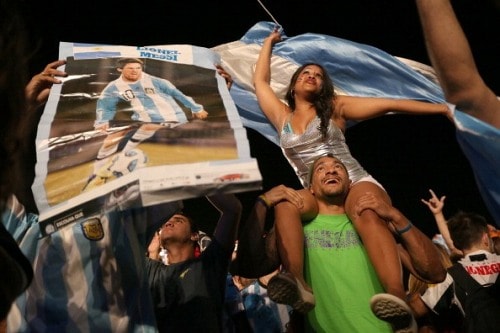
x,y
359,70
90,275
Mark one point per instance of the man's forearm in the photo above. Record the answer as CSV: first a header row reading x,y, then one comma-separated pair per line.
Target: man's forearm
x,y
424,259
447,46
227,226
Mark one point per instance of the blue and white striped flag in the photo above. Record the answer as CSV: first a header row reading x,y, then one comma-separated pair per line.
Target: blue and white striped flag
x,y
360,70
88,276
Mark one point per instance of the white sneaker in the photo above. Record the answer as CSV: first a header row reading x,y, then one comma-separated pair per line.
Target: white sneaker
x,y
395,311
286,289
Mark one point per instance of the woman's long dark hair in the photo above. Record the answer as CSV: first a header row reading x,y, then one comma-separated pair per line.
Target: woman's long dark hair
x,y
323,103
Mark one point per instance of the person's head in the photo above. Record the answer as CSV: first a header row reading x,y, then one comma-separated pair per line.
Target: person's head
x,y
180,228
329,179
130,68
313,78
469,231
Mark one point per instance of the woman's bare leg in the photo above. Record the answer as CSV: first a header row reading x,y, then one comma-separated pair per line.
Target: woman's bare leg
x,y
290,235
291,288
379,242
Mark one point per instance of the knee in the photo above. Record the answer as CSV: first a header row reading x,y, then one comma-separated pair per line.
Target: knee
x,y
287,215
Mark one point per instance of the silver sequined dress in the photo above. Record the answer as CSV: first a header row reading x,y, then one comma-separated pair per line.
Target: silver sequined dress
x,y
302,150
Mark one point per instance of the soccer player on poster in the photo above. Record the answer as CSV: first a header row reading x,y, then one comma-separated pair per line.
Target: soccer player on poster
x,y
153,102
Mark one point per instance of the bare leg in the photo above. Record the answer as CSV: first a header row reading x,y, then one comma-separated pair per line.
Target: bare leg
x,y
290,240
377,239
382,250
291,288
144,132
290,236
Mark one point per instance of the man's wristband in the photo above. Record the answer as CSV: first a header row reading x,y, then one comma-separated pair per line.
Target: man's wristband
x,y
262,199
405,229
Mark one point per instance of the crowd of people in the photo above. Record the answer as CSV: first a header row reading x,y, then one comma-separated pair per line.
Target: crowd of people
x,y
329,257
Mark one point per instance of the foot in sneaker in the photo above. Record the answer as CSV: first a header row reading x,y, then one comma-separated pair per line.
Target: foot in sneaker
x,y
395,311
286,289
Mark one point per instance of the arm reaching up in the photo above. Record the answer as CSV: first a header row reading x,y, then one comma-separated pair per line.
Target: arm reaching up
x,y
436,207
227,226
452,58
275,110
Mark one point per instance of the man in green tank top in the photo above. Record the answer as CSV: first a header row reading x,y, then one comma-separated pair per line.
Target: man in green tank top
x,y
337,266
349,296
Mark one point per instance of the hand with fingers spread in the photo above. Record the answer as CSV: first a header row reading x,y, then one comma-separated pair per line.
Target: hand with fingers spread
x,y
370,201
38,89
398,223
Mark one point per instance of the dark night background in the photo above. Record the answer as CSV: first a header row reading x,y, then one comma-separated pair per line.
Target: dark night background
x,y
408,155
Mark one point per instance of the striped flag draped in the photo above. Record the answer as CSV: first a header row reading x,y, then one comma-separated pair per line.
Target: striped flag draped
x,y
360,70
